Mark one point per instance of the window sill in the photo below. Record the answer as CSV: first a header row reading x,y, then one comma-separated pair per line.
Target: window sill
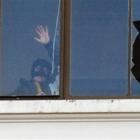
x,y
71,106
70,110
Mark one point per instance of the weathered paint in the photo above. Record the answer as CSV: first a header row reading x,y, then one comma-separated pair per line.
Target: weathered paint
x,y
71,106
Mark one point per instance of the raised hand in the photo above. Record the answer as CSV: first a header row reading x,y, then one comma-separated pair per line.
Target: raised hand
x,y
43,35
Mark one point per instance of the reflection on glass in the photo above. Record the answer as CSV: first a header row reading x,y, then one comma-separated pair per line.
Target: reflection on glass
x,y
99,48
136,49
30,47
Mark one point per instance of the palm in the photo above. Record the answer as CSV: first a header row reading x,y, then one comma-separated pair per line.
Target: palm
x,y
43,35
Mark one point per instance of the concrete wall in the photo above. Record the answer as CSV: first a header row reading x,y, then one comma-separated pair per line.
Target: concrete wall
x,y
70,130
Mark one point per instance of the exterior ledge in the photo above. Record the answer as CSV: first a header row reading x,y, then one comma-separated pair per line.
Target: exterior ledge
x,y
70,106
70,110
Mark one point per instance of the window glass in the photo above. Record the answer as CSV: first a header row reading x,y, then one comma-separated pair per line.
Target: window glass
x,y
99,48
30,49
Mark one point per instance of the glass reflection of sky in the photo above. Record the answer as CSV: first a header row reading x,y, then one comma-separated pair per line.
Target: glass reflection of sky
x,y
99,48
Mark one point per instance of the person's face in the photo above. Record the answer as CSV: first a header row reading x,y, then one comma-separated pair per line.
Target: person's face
x,y
40,73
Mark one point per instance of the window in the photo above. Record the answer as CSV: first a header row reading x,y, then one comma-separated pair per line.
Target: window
x,y
99,48
88,46
30,48
95,40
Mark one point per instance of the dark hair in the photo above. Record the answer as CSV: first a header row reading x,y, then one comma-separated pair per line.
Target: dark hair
x,y
42,63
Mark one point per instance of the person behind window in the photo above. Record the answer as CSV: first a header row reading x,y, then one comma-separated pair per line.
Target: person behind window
x,y
43,81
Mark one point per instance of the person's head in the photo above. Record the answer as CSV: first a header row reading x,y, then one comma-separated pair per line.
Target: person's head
x,y
41,70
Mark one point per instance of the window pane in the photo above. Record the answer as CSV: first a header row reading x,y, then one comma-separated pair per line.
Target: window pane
x,y
135,48
31,39
99,48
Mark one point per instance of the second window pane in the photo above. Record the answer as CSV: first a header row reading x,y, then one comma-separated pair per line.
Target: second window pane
x,y
99,48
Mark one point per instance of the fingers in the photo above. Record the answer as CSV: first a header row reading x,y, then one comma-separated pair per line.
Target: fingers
x,y
38,32
43,35
37,39
39,28
42,29
46,29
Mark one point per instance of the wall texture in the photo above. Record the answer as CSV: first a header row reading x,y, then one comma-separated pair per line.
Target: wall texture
x,y
70,130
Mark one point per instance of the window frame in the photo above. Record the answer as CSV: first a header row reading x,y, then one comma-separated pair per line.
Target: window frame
x,y
67,43
60,96
69,108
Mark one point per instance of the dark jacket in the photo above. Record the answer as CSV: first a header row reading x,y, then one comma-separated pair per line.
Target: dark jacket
x,y
27,87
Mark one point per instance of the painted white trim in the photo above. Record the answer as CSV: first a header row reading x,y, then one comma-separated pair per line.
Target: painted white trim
x,y
71,106
70,110
70,117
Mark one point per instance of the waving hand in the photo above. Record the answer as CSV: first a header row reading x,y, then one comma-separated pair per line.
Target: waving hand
x,y
43,35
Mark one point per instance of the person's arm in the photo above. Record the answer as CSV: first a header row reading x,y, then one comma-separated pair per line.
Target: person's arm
x,y
43,38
